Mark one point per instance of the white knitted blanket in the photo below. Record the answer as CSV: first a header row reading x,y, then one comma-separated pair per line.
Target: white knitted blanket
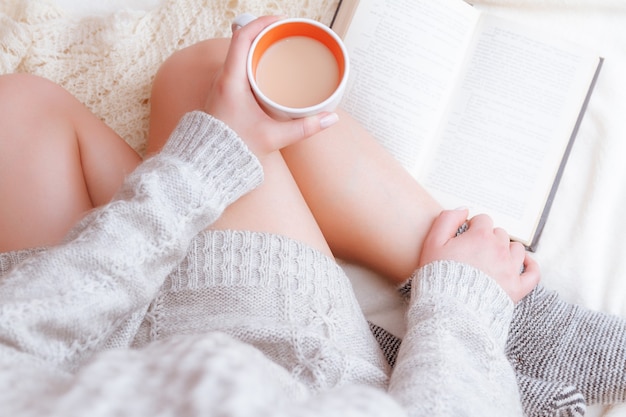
x,y
108,61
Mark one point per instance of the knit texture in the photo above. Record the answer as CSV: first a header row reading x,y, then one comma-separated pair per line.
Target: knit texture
x,y
153,217
109,62
288,300
539,398
229,323
553,340
389,344
565,356
477,310
550,399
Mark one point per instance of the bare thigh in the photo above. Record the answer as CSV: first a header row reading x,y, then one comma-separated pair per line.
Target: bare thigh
x,y
339,188
277,206
57,161
371,210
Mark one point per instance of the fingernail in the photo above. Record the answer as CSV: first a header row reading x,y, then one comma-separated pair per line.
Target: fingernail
x,y
461,208
329,120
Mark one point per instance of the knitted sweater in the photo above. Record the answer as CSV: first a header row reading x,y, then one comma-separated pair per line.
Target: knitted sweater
x,y
143,311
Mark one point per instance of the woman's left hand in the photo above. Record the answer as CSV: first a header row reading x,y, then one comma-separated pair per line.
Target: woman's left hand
x,y
484,247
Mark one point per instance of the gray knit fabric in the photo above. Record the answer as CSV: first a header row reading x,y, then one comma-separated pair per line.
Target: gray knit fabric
x,y
565,356
230,323
290,301
539,398
389,343
553,340
550,399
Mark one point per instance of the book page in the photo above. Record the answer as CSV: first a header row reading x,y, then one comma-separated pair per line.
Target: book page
x,y
509,125
404,57
343,16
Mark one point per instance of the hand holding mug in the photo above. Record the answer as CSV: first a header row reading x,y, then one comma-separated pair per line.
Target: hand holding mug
x,y
230,99
296,67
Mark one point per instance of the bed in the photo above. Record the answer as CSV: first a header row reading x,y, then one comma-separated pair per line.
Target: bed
x,y
106,54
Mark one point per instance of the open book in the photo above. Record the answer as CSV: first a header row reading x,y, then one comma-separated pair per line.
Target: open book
x,y
481,110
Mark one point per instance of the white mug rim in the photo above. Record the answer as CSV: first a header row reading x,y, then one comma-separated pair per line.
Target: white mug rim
x,y
298,111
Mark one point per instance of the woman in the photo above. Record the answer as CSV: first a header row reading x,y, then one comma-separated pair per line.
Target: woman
x,y
144,271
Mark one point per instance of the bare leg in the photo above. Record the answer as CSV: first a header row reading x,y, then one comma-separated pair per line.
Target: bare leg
x,y
277,206
368,207
57,160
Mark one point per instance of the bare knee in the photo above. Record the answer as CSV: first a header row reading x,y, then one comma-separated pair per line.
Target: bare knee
x,y
181,85
188,71
10,84
28,106
36,167
201,56
32,110
57,160
20,92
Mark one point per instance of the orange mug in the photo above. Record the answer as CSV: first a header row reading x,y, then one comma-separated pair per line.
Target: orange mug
x,y
296,67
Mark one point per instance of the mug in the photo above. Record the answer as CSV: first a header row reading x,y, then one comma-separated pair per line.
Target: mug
x,y
296,67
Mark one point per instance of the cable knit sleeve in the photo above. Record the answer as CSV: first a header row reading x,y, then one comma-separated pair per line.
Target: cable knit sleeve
x,y
60,307
452,361
57,308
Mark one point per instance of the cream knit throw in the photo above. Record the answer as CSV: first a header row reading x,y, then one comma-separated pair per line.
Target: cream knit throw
x,y
109,62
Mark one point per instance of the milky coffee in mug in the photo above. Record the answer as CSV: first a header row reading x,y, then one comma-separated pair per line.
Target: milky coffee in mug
x,y
296,67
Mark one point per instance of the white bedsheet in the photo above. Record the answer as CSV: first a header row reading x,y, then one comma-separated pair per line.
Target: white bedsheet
x,y
582,251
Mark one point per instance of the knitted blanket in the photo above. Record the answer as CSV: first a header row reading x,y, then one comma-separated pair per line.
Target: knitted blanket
x,y
109,61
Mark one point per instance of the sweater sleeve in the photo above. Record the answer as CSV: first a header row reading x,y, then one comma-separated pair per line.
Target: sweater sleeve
x,y
452,360
58,307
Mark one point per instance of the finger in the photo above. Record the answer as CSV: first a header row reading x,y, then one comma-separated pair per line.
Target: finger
x,y
446,225
502,235
481,221
531,275
290,132
242,39
518,255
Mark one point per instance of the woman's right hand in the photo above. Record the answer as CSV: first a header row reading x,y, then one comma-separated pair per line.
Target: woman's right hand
x,y
484,247
231,100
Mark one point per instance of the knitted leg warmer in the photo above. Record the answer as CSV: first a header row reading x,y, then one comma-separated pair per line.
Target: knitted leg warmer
x,y
539,398
553,340
549,399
